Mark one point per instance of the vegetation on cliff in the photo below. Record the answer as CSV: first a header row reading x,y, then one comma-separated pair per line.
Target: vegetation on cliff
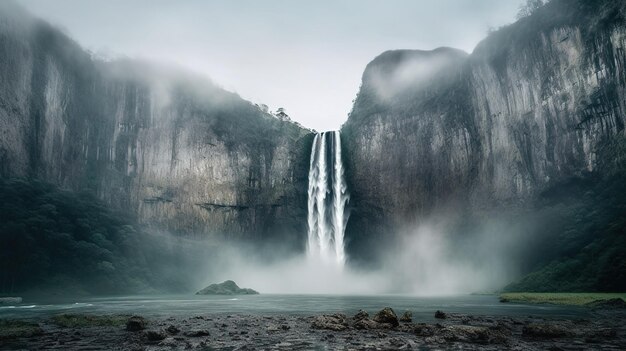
x,y
52,240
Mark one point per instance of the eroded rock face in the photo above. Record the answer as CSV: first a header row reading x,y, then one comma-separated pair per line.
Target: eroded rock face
x,y
526,110
177,151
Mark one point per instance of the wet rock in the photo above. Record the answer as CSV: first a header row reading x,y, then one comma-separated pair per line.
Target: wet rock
x,y
228,287
423,329
440,315
407,317
366,323
155,335
608,304
472,334
335,322
196,333
546,330
172,329
136,323
168,342
360,315
387,315
599,335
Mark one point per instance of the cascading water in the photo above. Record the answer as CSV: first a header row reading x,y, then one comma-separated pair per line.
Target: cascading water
x,y
327,199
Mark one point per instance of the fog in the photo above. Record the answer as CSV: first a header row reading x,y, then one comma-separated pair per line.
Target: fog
x,y
307,57
439,256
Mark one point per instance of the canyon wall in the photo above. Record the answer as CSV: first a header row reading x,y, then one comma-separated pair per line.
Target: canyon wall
x,y
177,151
432,131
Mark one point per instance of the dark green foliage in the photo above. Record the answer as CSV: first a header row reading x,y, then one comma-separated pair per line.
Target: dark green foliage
x,y
64,241
49,236
585,246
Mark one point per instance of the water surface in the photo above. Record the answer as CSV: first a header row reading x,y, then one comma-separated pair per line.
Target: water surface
x,y
422,308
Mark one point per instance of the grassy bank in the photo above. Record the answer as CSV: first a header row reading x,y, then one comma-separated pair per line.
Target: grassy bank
x,y
575,299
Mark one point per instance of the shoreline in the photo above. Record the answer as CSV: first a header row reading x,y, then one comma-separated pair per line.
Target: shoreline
x,y
608,300
604,329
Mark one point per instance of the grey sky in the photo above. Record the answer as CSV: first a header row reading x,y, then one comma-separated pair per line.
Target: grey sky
x,y
305,56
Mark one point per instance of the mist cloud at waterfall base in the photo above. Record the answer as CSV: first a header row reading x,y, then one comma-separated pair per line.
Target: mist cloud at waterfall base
x,y
429,259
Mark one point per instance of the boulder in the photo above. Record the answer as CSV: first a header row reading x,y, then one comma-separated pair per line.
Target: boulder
x,y
407,317
136,323
608,304
360,315
546,330
440,315
472,334
367,323
423,329
228,287
196,333
387,315
336,322
155,335
172,329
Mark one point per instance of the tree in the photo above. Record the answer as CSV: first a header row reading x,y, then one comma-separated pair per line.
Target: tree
x,y
529,7
282,114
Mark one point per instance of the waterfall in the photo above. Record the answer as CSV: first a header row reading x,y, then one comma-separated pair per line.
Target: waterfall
x,y
327,199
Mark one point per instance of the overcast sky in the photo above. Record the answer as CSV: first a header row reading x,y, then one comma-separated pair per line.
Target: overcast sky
x,y
305,56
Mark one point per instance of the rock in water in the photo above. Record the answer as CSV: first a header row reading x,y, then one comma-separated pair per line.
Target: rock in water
x,y
440,315
228,287
387,315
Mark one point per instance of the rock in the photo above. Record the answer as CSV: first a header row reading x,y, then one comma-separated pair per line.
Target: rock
x,y
546,330
598,335
10,300
472,334
440,315
168,342
407,317
228,287
365,324
136,323
155,335
336,322
172,329
360,315
504,300
196,333
608,304
387,315
423,329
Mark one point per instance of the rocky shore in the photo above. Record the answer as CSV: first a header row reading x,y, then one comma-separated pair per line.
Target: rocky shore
x,y
384,330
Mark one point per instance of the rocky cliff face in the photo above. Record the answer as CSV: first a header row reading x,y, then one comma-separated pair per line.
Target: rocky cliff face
x,y
179,152
526,110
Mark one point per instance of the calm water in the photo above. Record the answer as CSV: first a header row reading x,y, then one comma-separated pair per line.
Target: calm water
x,y
423,308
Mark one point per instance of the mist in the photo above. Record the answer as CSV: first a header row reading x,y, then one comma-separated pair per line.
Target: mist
x,y
440,256
305,57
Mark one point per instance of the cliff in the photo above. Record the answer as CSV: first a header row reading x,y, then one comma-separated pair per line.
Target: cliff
x,y
176,151
527,110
